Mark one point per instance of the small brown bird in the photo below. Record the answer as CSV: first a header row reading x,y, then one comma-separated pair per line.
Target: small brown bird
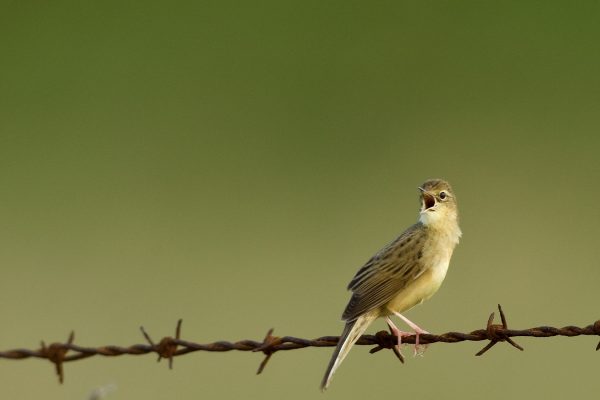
x,y
404,273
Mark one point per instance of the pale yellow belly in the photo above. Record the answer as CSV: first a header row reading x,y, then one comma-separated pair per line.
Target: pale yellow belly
x,y
418,291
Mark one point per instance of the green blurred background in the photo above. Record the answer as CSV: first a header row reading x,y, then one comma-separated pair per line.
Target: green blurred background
x,y
234,163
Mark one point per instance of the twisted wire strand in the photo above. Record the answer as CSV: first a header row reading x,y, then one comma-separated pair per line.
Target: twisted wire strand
x,y
170,347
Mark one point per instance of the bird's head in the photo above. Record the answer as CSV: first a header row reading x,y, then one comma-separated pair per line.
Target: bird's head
x,y
438,203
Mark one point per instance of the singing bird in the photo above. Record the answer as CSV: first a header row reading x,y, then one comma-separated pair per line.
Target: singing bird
x,y
404,273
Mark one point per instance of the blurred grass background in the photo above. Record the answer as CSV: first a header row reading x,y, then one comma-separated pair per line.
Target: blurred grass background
x,y
234,164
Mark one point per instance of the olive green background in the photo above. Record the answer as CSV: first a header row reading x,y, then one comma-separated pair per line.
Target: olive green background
x,y
234,163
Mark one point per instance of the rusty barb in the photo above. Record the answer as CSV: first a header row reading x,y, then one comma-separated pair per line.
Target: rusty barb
x,y
169,347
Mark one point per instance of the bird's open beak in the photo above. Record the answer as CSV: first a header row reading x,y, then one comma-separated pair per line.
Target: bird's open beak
x,y
428,199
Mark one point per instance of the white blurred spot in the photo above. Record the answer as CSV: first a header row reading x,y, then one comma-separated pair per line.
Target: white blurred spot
x,y
102,391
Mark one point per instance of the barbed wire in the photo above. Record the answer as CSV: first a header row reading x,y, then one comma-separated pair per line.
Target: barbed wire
x,y
169,347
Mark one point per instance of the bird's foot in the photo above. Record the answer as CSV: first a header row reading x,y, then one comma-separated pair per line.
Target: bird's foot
x,y
398,333
419,349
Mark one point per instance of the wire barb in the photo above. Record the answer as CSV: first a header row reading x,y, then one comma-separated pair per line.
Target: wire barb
x,y
55,353
267,348
597,331
383,342
169,347
496,333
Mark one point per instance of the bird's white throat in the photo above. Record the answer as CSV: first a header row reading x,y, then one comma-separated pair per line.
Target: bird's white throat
x,y
445,223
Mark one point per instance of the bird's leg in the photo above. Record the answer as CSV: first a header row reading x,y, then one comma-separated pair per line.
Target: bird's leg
x,y
399,334
418,332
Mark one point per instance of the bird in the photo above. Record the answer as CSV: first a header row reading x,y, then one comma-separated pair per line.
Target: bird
x,y
403,274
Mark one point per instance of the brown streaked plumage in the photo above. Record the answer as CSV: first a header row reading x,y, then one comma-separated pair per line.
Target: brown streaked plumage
x,y
404,273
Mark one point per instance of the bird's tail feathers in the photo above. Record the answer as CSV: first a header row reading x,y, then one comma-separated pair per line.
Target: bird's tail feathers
x,y
352,332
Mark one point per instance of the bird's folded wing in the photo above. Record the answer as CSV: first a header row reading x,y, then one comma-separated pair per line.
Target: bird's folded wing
x,y
387,273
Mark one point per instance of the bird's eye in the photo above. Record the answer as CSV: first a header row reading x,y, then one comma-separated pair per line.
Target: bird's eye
x,y
443,195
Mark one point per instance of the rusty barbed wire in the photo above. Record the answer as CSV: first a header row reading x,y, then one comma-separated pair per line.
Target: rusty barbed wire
x,y
169,347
